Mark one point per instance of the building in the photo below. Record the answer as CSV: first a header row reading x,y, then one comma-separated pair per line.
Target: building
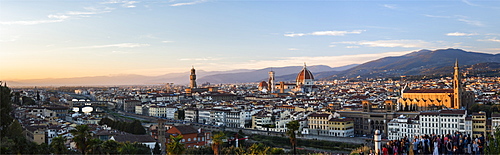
x,y
478,124
435,99
36,134
129,105
131,138
191,137
340,127
403,126
318,123
495,122
443,122
304,81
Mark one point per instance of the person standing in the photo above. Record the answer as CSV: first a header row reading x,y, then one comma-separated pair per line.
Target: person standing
x,y
436,148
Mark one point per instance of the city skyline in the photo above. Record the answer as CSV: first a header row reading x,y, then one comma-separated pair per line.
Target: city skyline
x,y
61,39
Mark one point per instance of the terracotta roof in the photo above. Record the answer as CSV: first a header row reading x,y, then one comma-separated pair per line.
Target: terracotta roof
x,y
318,115
304,74
429,91
184,129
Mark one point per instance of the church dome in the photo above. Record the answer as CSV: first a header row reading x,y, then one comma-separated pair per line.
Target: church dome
x,y
304,74
263,84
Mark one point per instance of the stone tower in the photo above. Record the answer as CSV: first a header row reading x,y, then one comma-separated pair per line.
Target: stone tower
x,y
457,87
192,78
270,82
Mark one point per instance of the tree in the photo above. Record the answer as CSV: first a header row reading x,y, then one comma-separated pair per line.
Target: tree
x,y
58,145
110,147
81,136
293,127
494,142
258,149
5,109
137,127
127,148
217,141
157,149
94,146
175,146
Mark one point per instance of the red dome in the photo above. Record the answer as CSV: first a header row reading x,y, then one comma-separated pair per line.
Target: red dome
x,y
304,74
263,84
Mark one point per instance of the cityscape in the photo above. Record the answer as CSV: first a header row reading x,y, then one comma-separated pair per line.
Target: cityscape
x,y
249,77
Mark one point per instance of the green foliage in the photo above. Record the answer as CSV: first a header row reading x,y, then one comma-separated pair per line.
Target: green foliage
x,y
233,150
277,151
58,145
292,129
200,151
217,141
110,146
489,109
494,142
28,101
175,146
81,136
5,109
258,149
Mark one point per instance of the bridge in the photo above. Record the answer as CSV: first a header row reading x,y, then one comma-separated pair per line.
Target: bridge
x,y
87,105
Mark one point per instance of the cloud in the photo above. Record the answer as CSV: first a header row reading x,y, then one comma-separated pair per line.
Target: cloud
x,y
126,4
469,3
293,49
352,47
390,6
30,22
471,22
459,18
388,43
122,45
461,34
91,11
56,18
200,59
491,39
166,41
189,3
332,61
324,33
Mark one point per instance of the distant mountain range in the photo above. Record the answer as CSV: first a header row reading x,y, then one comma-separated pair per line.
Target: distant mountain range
x,y
423,62
214,77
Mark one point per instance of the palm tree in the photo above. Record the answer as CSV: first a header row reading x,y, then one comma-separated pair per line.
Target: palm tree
x,y
95,146
217,141
81,136
258,149
175,146
110,147
58,145
127,148
293,127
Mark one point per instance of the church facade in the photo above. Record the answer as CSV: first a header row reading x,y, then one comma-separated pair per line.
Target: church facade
x,y
435,99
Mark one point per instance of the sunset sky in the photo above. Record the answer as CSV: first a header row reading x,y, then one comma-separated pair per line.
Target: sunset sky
x,y
77,38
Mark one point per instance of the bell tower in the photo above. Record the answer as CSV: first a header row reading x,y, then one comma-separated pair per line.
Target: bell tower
x,y
271,82
192,78
457,87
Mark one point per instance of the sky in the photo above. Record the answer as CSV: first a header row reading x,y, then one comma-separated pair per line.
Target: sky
x,y
79,38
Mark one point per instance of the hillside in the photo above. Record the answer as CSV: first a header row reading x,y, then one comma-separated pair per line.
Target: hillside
x,y
423,62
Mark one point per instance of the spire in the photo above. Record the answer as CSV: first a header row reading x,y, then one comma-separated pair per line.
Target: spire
x,y
305,65
456,62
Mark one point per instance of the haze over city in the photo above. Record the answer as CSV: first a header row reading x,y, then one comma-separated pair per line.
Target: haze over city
x,y
61,39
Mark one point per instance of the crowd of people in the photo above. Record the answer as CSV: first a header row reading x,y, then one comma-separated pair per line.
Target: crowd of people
x,y
449,144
